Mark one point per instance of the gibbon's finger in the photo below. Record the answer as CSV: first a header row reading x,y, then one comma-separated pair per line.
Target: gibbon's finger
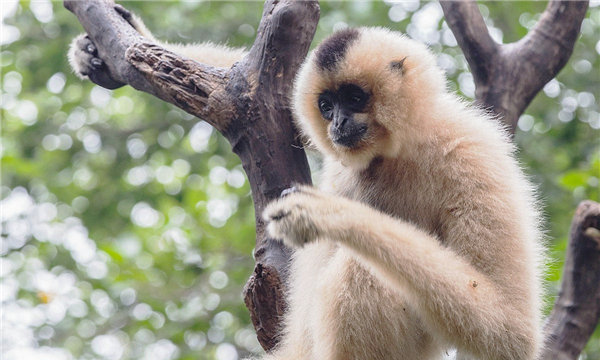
x,y
126,14
300,189
289,191
91,48
282,207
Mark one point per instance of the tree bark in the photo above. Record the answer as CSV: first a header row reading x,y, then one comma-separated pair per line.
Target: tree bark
x,y
507,77
247,103
577,309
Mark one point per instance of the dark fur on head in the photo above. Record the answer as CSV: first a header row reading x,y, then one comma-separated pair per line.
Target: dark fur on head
x,y
333,49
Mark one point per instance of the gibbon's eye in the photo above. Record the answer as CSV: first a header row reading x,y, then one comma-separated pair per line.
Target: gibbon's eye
x,y
354,96
326,107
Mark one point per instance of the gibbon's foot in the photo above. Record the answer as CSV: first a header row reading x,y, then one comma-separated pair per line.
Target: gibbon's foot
x,y
83,56
292,217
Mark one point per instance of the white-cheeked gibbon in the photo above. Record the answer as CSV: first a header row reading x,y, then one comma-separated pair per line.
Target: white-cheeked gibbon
x,y
423,235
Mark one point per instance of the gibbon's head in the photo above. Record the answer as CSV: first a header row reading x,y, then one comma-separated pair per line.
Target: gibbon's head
x,y
363,92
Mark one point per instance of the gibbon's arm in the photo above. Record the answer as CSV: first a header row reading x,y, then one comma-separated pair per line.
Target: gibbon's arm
x,y
456,301
207,53
84,61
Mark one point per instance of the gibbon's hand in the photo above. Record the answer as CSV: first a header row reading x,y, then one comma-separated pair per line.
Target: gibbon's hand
x,y
83,56
295,217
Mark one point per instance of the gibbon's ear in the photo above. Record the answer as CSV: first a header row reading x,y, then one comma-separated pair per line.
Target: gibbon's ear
x,y
398,65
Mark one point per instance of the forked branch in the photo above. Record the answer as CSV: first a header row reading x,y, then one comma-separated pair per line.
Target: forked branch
x,y
508,76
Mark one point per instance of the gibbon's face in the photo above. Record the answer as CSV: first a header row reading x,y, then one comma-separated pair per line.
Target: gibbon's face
x,y
341,108
356,94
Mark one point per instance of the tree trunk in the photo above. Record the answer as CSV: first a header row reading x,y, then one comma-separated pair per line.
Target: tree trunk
x,y
577,309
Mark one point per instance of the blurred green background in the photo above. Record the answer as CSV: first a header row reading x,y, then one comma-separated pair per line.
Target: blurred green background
x,y
128,225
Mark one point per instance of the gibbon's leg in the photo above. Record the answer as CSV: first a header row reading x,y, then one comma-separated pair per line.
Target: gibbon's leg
x,y
207,53
83,55
457,303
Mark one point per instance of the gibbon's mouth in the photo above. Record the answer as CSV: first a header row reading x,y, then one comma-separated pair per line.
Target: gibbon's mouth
x,y
349,136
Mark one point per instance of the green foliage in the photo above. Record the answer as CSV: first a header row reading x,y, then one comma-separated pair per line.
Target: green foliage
x,y
128,225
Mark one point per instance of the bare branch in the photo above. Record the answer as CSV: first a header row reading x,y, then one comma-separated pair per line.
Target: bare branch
x,y
132,60
196,88
262,294
577,309
467,25
507,77
546,48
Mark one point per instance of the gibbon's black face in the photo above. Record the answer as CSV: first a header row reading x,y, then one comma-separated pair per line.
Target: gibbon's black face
x,y
339,107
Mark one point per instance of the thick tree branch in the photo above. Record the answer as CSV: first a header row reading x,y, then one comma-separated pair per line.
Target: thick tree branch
x,y
577,309
248,103
193,87
467,25
547,47
507,77
130,59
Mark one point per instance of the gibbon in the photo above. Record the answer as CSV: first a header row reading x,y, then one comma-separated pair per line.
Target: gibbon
x,y
423,235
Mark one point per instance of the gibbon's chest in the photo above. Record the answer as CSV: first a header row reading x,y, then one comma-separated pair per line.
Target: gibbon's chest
x,y
349,302
404,189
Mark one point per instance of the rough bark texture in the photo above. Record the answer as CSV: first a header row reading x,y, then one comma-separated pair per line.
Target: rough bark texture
x,y
577,309
507,77
247,103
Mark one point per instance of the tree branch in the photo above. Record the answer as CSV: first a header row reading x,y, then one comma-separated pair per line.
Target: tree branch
x,y
196,88
248,103
577,309
507,77
467,25
130,59
545,50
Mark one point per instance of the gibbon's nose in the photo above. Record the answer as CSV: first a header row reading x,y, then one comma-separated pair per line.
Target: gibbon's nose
x,y
341,118
340,122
